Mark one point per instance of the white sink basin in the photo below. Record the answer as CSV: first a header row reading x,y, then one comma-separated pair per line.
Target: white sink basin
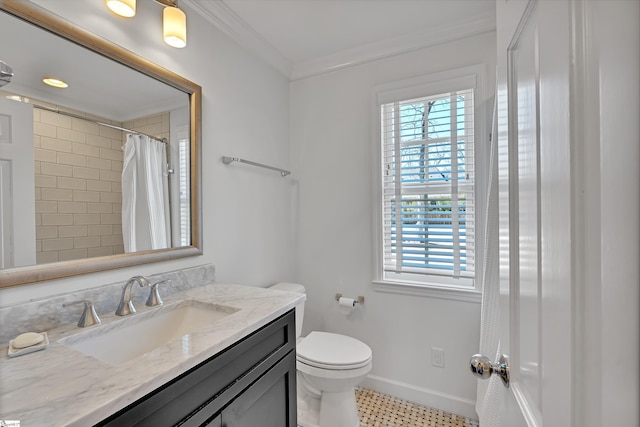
x,y
138,334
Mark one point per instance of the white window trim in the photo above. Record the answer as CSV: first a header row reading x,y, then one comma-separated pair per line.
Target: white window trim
x,y
429,291
448,81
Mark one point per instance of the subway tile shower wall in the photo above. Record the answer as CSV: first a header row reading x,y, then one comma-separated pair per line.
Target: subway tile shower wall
x,y
78,168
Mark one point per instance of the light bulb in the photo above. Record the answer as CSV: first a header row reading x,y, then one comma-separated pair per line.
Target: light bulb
x,y
124,8
174,27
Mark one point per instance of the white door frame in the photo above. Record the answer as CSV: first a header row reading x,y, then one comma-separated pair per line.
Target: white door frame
x,y
606,95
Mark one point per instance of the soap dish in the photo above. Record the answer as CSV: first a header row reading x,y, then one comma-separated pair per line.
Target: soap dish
x,y
15,352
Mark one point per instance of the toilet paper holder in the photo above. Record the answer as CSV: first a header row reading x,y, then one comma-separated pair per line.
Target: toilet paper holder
x,y
359,300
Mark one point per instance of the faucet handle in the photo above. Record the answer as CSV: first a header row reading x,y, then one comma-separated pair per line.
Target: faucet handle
x,y
89,316
154,295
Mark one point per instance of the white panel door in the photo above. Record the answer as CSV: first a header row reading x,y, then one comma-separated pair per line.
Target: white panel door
x,y
17,202
568,214
536,251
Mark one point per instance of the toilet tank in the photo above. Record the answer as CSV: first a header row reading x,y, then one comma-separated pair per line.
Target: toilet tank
x,y
298,288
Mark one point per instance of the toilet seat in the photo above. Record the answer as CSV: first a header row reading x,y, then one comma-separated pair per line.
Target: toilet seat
x,y
330,351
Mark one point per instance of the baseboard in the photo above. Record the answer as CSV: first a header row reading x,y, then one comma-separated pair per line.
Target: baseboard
x,y
423,396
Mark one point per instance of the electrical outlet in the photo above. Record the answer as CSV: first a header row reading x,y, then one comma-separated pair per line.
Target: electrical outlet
x,y
437,357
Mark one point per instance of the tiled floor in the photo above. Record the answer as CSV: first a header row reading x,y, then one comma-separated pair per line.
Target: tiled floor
x,y
379,410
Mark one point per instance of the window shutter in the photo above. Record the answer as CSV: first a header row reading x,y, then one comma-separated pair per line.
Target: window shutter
x,y
185,195
428,187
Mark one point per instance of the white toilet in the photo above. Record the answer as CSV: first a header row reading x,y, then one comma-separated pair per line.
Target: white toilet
x,y
329,367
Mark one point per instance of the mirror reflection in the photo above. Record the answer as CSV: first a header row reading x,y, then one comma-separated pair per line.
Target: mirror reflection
x,y
99,168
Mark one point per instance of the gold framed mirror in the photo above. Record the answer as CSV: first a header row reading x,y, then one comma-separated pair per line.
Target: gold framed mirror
x,y
77,224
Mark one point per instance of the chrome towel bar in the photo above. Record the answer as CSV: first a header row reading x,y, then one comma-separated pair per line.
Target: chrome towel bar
x,y
227,160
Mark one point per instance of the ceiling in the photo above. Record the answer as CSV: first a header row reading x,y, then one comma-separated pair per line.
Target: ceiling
x,y
307,37
300,38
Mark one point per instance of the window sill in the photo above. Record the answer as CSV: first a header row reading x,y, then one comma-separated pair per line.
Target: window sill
x,y
465,295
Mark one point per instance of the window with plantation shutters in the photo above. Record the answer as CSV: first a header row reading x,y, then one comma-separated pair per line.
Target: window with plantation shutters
x,y
428,219
184,199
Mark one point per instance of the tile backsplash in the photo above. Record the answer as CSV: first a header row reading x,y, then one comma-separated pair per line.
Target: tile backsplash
x,y
48,313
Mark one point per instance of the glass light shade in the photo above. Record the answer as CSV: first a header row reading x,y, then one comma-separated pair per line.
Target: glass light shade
x,y
124,8
174,27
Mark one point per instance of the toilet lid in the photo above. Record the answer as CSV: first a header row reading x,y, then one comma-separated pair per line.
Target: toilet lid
x,y
333,351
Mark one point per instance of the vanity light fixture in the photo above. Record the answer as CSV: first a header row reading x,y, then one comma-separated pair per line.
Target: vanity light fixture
x,y
174,20
124,8
52,81
174,26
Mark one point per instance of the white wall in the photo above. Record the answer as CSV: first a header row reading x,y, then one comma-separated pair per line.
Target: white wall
x,y
332,159
247,230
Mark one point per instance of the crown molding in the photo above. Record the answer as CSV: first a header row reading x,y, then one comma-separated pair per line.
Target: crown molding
x,y
226,20
428,37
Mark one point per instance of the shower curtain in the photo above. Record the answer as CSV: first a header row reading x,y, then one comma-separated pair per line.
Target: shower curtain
x,y
145,195
490,393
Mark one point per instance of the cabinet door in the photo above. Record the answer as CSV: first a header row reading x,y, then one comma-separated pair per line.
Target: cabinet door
x,y
269,402
206,389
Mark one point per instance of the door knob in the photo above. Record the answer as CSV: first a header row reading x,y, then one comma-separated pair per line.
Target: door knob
x,y
482,367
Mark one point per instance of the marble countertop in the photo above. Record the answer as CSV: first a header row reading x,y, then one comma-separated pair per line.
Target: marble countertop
x,y
64,387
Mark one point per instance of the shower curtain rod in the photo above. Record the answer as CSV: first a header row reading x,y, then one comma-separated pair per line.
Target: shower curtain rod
x,y
64,113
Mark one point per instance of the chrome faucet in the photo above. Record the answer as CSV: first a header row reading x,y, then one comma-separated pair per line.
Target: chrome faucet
x,y
126,305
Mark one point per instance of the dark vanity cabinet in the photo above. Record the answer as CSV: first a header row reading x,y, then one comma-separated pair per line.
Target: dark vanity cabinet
x,y
251,383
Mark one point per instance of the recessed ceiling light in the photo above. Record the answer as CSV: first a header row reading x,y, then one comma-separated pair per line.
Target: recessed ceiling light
x,y
52,81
